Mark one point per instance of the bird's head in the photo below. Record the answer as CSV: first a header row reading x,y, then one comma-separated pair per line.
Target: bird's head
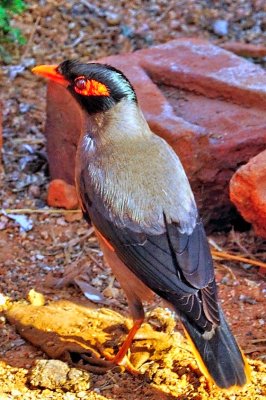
x,y
97,87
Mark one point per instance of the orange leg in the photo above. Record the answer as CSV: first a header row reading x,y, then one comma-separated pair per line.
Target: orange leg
x,y
138,317
118,359
98,365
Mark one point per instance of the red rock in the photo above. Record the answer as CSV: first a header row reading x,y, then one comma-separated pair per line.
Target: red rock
x,y
245,49
62,195
206,102
248,192
199,66
63,126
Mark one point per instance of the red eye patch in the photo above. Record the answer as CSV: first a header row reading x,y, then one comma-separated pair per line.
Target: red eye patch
x,y
91,87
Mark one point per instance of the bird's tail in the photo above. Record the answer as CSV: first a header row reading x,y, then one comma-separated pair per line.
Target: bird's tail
x,y
219,356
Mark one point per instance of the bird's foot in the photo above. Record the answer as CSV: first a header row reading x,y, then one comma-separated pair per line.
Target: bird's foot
x,y
123,362
100,366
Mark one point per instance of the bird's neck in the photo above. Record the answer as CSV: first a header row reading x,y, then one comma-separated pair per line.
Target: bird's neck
x,y
123,121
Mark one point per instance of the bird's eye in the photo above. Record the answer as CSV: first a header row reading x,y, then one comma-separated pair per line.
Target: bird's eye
x,y
90,87
81,83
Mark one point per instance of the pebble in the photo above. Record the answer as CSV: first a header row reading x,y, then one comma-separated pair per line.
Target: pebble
x,y
24,107
61,221
175,24
247,299
113,18
77,9
69,396
72,25
35,298
56,374
82,395
220,27
15,392
111,292
34,191
96,281
127,31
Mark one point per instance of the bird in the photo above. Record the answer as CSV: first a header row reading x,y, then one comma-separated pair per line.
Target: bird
x,y
134,190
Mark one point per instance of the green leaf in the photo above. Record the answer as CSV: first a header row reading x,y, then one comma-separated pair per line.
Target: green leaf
x,y
14,6
4,19
8,33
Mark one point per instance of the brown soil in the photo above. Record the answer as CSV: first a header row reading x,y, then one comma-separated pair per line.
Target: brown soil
x,y
59,252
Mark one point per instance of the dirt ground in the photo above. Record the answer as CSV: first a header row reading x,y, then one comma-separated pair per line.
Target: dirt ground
x,y
56,254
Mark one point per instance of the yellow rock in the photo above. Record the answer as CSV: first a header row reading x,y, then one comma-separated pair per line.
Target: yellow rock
x,y
36,298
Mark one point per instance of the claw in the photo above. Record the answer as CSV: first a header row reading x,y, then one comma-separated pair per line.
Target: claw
x,y
124,362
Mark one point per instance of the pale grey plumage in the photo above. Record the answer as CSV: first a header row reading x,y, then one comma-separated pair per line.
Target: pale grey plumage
x,y
161,189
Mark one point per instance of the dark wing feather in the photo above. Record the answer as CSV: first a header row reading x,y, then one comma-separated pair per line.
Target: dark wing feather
x,y
192,254
154,260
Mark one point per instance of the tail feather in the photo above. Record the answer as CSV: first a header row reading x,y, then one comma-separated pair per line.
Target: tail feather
x,y
219,356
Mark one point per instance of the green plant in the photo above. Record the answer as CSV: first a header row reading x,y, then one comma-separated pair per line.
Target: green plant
x,y
8,33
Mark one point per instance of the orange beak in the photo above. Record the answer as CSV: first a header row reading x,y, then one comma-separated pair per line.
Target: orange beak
x,y
50,71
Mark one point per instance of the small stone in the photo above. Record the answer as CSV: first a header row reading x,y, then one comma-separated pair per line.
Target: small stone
x,y
61,221
96,281
61,194
113,18
15,393
35,298
72,25
44,235
50,374
220,27
78,381
175,24
82,395
77,9
24,107
247,299
248,192
172,15
34,191
127,31
69,396
111,292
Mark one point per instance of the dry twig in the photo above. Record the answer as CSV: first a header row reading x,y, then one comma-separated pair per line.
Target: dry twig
x,y
38,211
226,256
